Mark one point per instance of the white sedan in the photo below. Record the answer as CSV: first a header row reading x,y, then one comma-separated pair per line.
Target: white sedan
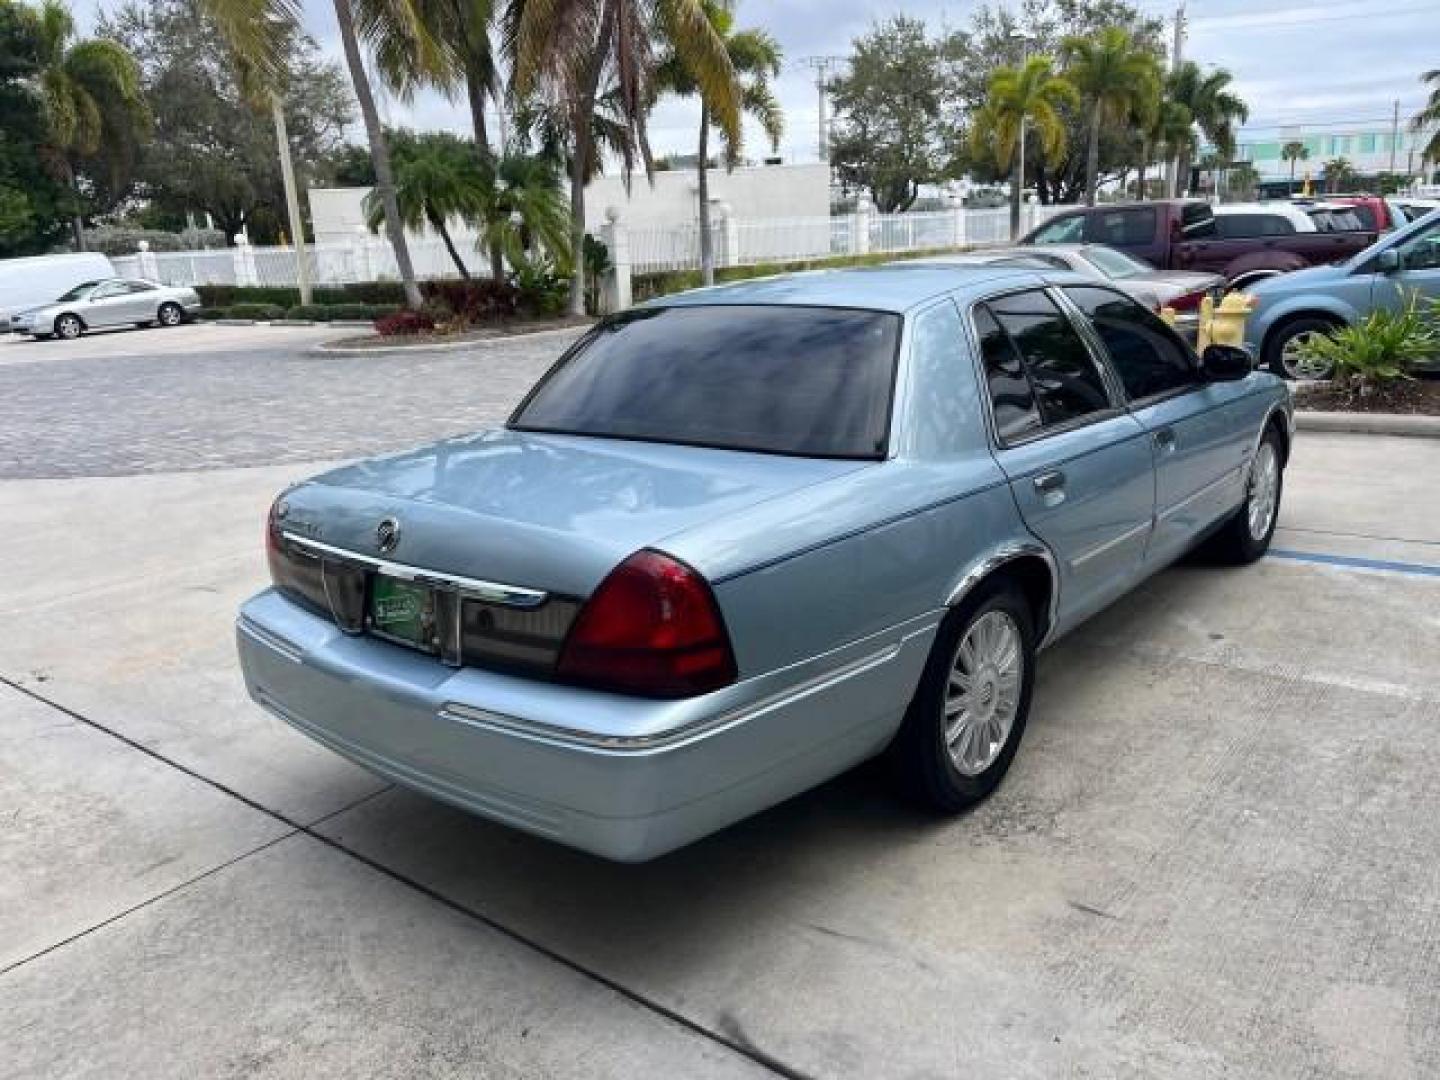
x,y
108,303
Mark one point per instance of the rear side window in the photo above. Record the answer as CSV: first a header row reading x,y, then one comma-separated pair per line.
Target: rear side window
x,y
1012,399
1365,214
1143,351
1065,230
1234,225
810,381
1066,383
1121,228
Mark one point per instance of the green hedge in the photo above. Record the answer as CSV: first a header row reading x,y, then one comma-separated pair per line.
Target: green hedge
x,y
373,293
304,312
647,286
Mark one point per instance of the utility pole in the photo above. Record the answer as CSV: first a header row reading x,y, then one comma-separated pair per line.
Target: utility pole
x,y
1394,136
821,65
1177,51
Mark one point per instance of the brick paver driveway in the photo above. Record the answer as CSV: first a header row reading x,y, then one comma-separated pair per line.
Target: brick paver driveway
x,y
204,397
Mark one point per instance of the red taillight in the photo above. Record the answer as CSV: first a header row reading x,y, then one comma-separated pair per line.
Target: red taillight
x,y
652,628
1186,302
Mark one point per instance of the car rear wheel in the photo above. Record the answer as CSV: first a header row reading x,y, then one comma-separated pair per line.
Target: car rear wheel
x,y
69,326
1246,536
171,315
1283,351
967,717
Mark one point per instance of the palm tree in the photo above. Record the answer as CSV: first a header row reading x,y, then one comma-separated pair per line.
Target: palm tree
x,y
561,50
1429,116
1213,106
1167,128
1293,152
756,58
1030,94
1112,73
90,91
447,46
438,177
524,203
256,30
1337,171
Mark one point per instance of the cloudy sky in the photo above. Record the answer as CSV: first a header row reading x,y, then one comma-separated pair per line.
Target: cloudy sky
x,y
1328,61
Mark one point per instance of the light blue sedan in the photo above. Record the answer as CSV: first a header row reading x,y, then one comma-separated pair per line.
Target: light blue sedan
x,y
1290,308
739,540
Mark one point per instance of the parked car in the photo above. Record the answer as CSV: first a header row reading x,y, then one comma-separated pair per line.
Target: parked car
x,y
28,282
1180,290
1290,309
740,539
1375,212
94,305
1415,208
1181,234
1239,220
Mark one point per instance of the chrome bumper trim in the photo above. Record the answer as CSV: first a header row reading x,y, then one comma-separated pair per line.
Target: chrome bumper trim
x,y
490,591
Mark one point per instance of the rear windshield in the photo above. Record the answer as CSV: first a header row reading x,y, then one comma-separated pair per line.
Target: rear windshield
x,y
808,381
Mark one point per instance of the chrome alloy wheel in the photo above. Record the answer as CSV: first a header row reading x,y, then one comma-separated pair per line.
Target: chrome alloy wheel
x,y
1299,366
170,315
982,696
1264,490
68,327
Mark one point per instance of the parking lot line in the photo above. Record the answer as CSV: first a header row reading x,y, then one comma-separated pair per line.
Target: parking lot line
x,y
1356,563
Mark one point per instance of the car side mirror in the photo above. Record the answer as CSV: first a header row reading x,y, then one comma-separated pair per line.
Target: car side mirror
x,y
1388,261
1225,363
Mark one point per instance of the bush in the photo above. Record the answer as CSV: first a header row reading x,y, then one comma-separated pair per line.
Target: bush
x,y
253,311
477,301
648,286
403,323
1379,349
331,312
381,294
541,291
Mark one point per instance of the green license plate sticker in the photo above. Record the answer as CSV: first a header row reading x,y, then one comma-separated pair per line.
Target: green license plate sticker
x,y
402,610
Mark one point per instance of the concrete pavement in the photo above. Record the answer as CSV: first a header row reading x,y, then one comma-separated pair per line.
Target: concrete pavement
x,y
1215,855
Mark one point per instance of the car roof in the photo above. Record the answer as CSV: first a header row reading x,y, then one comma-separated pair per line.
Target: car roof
x,y
895,287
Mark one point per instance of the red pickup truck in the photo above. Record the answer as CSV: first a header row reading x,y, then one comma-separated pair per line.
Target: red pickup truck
x,y
1180,234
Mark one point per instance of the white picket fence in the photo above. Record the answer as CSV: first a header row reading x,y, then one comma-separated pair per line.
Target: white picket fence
x,y
738,242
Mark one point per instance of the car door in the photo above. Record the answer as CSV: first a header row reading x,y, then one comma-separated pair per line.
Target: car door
x,y
107,305
143,301
1418,272
1079,466
1200,433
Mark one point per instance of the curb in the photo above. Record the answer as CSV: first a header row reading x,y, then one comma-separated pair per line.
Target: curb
x,y
1424,427
441,346
343,324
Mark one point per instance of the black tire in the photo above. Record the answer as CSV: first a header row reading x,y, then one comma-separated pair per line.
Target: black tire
x,y
1285,334
923,764
1237,543
170,315
68,326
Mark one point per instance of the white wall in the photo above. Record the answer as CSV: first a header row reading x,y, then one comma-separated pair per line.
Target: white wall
x,y
762,192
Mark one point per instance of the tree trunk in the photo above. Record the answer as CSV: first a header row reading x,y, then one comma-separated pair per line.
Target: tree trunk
x,y
379,151
476,92
497,263
702,167
1092,156
77,224
1144,159
581,114
438,224
1015,198
1182,173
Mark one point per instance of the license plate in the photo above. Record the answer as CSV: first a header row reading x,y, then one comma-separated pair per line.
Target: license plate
x,y
403,611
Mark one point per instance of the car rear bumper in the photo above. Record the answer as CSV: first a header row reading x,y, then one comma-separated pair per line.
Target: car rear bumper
x,y
625,778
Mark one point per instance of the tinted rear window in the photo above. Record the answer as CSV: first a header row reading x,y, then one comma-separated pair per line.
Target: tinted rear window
x,y
809,381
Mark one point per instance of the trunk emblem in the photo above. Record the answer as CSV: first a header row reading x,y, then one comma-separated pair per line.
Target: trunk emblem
x,y
387,535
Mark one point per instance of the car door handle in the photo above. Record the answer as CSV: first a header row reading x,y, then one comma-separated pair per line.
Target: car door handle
x,y
1165,440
